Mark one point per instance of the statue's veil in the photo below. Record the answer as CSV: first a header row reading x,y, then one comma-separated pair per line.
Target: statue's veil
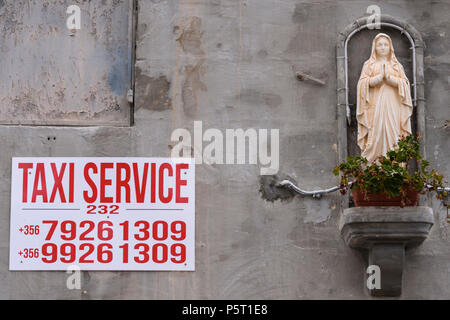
x,y
392,58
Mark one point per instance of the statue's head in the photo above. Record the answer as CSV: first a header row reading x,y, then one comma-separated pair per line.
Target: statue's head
x,y
382,46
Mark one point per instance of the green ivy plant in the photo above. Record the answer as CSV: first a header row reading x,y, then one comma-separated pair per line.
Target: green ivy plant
x,y
389,174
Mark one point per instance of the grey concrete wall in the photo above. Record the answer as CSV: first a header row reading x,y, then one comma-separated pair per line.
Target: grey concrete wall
x,y
231,64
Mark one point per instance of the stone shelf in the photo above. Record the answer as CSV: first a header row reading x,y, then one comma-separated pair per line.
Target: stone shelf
x,y
385,232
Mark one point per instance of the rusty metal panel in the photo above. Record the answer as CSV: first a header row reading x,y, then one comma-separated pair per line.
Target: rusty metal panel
x,y
51,75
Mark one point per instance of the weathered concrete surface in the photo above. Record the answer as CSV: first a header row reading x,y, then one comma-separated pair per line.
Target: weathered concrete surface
x,y
53,75
232,64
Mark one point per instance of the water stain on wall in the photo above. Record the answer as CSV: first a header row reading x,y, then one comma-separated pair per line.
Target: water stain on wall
x,y
152,92
312,35
191,85
189,37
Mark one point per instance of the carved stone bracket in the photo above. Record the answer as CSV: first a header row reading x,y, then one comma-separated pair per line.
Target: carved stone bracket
x,y
386,232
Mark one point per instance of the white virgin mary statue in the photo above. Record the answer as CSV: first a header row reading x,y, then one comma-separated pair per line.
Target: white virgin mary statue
x,y
384,104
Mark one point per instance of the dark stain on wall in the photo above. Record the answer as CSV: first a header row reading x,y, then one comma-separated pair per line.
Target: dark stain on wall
x,y
152,92
142,30
302,12
116,79
271,192
313,35
436,39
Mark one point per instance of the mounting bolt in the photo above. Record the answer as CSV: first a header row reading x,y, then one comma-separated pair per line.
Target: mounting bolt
x,y
130,95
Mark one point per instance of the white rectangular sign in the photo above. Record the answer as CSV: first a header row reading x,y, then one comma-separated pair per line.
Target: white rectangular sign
x,y
102,214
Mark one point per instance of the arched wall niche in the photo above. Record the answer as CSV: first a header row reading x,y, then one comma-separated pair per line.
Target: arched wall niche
x,y
353,48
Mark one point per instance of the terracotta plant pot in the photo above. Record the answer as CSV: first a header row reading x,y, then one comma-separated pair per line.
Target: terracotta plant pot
x,y
382,199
